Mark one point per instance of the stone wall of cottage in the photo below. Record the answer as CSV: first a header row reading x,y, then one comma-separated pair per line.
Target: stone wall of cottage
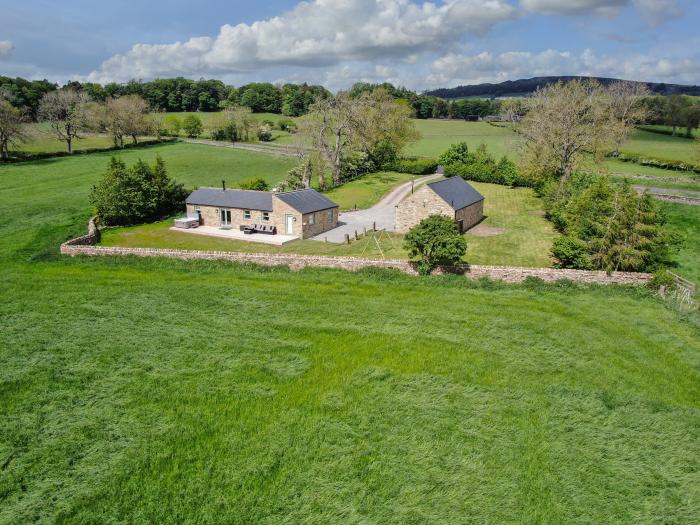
x,y
471,215
278,217
324,220
211,216
416,207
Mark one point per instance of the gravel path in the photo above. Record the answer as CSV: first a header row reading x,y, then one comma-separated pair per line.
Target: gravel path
x,y
380,215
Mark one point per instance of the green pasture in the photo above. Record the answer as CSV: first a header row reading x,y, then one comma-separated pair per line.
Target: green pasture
x,y
164,391
368,189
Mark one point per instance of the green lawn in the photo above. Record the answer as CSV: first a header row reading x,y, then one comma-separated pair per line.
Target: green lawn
x,y
368,190
685,220
526,240
162,391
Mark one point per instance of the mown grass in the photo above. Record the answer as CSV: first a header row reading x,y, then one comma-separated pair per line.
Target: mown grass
x,y
163,391
366,191
526,239
438,135
685,220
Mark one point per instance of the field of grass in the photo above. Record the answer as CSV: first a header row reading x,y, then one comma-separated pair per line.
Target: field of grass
x,y
679,131
162,391
685,220
367,190
526,240
438,135
660,146
57,189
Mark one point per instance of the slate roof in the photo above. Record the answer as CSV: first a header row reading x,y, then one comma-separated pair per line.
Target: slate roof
x,y
456,192
304,201
242,199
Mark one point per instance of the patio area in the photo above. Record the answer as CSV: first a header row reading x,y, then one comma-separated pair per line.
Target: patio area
x,y
277,240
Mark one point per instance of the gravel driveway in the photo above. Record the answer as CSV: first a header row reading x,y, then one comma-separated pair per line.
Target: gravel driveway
x,y
381,214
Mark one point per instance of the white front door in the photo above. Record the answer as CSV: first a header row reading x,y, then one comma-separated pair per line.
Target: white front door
x,y
289,230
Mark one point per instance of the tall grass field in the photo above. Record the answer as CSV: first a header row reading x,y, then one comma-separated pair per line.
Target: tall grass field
x,y
164,391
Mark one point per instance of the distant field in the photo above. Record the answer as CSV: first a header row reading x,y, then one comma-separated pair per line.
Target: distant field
x,y
679,131
438,135
662,146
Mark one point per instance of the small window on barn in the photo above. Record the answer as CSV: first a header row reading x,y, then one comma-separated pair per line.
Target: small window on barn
x,y
312,218
265,216
246,214
330,215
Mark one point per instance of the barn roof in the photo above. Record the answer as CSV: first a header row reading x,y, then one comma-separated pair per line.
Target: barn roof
x,y
304,201
243,199
456,192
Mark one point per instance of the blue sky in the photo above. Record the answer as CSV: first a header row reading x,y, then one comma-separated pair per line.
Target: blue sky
x,y
337,42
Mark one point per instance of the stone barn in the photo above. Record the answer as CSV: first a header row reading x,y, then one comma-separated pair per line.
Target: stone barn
x,y
453,197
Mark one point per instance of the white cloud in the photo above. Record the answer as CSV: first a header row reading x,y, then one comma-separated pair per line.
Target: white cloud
x,y
654,12
315,33
6,48
575,7
454,69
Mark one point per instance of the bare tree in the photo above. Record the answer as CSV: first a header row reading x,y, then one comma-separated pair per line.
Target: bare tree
x,y
330,127
12,127
131,114
566,123
627,107
66,112
512,110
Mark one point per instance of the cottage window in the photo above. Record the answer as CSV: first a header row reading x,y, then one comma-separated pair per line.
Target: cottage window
x,y
265,216
247,215
330,215
312,218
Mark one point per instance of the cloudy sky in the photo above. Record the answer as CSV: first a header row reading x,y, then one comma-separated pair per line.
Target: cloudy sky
x,y
418,44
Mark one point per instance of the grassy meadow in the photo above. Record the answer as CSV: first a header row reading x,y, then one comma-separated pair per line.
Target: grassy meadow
x,y
164,391
368,190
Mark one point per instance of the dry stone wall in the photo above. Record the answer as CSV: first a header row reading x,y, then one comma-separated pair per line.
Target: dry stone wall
x,y
85,246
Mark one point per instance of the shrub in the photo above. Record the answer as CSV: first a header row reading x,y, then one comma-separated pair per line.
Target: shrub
x,y
415,166
227,132
140,193
171,126
456,154
192,125
437,241
256,183
663,279
666,164
355,166
264,133
287,124
571,252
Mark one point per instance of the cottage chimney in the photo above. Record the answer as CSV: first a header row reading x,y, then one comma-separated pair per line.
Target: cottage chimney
x,y
223,185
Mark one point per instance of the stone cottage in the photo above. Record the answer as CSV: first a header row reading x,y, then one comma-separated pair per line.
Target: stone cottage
x,y
453,197
303,213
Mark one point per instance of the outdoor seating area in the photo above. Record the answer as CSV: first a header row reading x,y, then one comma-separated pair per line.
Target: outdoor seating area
x,y
266,229
239,235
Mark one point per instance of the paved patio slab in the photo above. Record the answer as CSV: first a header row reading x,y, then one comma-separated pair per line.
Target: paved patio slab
x,y
238,235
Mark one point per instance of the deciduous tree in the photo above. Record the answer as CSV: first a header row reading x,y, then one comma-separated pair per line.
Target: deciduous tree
x,y
66,111
13,130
